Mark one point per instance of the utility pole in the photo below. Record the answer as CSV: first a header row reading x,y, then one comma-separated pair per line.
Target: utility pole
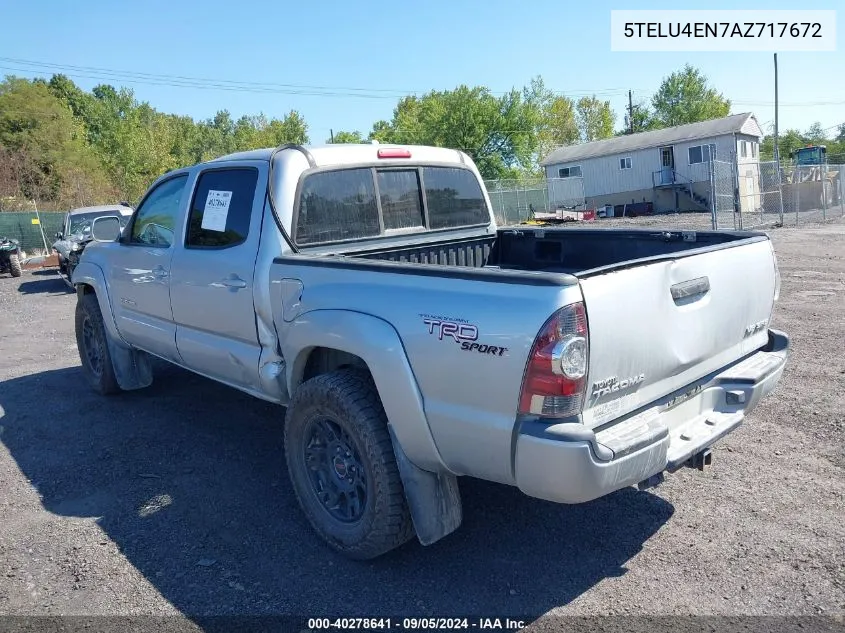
x,y
332,134
777,153
630,113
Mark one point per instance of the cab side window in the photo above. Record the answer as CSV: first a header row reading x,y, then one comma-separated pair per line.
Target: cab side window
x,y
155,219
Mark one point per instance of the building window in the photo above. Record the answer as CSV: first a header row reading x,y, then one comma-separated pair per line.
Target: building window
x,y
743,148
754,150
625,163
570,172
702,153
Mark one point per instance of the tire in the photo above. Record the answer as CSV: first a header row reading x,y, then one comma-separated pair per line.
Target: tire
x,y
342,410
93,346
15,265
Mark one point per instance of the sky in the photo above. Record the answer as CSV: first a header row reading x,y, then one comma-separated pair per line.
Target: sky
x,y
362,56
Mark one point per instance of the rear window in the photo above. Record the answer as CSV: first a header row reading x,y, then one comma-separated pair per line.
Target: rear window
x,y
350,204
401,203
454,198
337,205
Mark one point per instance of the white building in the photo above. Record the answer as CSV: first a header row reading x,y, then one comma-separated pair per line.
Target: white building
x,y
669,168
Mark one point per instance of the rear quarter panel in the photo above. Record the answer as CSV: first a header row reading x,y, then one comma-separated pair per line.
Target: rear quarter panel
x,y
466,340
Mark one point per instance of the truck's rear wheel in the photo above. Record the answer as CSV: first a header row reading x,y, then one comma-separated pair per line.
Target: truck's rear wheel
x,y
341,464
93,346
15,265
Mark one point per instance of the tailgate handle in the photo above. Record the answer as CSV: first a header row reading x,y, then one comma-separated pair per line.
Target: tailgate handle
x,y
687,290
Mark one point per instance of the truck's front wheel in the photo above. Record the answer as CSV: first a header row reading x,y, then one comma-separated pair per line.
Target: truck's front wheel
x,y
93,346
342,467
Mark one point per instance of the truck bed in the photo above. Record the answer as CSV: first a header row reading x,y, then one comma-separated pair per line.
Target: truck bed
x,y
471,252
558,250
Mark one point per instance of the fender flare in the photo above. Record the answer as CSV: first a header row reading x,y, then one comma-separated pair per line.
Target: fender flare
x,y
132,367
430,488
89,274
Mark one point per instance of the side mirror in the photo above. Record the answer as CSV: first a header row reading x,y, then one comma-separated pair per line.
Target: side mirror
x,y
106,228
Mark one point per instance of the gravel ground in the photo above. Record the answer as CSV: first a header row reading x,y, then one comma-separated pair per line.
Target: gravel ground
x,y
175,500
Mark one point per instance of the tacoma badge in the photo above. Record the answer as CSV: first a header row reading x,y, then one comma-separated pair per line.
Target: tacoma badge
x,y
613,384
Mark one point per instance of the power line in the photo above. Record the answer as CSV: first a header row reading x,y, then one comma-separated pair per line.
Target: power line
x,y
211,86
184,81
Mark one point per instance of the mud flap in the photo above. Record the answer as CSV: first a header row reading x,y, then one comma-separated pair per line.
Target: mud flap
x,y
433,498
132,367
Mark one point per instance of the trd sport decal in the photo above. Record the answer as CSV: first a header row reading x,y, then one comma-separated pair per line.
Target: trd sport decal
x,y
462,332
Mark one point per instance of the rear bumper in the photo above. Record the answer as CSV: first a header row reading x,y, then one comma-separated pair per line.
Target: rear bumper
x,y
568,463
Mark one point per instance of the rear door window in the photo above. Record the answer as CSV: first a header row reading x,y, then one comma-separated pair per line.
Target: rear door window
x,y
222,208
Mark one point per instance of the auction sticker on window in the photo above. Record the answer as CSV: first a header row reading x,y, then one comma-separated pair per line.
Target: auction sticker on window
x,y
216,210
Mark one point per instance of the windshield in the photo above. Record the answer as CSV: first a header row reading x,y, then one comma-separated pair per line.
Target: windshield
x,y
809,156
82,223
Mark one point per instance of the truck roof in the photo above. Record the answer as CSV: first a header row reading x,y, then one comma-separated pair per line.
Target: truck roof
x,y
350,153
123,210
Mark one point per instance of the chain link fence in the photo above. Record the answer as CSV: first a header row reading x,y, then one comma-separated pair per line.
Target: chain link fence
x,y
24,226
516,201
813,193
743,195
750,195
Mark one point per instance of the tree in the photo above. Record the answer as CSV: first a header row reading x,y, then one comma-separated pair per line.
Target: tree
x,y
555,119
595,119
382,132
788,141
291,129
499,133
67,147
815,134
346,137
686,97
48,157
81,103
640,119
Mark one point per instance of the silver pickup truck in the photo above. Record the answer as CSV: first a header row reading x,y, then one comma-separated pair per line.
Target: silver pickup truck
x,y
368,289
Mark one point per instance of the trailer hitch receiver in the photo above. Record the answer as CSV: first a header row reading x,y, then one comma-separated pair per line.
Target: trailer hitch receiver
x,y
701,460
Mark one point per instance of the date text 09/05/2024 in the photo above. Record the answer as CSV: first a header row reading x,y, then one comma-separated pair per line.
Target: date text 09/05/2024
x,y
411,624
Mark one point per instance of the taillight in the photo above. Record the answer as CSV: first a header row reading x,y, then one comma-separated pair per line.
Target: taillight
x,y
556,374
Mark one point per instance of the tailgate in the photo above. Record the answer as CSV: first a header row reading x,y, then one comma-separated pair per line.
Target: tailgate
x,y
659,326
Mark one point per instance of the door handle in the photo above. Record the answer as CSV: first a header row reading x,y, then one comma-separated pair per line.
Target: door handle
x,y
159,272
691,290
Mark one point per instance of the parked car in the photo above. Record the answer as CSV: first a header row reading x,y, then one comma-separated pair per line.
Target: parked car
x,y
368,289
11,257
76,234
